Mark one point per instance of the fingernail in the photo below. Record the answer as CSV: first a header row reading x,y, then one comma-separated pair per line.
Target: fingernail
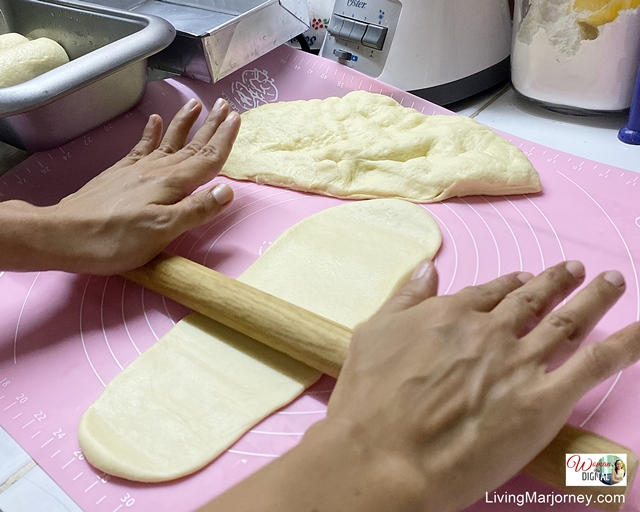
x,y
191,104
524,277
575,268
231,116
614,277
222,194
421,270
151,122
218,104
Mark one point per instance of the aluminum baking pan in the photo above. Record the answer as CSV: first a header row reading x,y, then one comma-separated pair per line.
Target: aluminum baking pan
x,y
106,76
217,37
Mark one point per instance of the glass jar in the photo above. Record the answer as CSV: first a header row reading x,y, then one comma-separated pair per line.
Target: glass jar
x,y
576,56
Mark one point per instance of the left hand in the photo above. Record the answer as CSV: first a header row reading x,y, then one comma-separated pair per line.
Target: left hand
x,y
130,212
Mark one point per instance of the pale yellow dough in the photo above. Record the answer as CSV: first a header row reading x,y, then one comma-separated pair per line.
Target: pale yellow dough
x,y
11,39
26,60
186,400
367,145
202,386
345,262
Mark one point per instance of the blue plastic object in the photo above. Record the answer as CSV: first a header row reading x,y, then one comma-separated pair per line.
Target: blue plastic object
x,y
630,134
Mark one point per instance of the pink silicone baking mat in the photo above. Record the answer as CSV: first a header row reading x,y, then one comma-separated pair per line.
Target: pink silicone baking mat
x,y
63,337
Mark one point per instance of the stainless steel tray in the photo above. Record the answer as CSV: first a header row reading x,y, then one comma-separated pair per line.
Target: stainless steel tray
x,y
107,74
216,37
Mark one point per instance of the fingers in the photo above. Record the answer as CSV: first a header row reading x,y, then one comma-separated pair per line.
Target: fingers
x,y
486,297
174,139
201,207
523,308
178,130
423,285
213,154
217,115
216,151
596,362
570,324
151,136
208,151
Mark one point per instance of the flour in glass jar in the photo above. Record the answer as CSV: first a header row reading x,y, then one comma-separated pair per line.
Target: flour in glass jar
x,y
561,61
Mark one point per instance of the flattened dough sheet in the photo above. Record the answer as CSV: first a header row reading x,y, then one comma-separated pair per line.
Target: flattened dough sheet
x,y
186,400
367,145
202,386
345,262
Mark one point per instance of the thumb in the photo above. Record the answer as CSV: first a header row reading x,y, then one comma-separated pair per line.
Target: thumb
x,y
201,207
422,285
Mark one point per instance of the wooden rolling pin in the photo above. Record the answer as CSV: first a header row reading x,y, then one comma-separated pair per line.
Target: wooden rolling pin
x,y
322,344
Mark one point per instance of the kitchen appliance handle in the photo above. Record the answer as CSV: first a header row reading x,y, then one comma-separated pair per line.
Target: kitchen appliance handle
x,y
322,344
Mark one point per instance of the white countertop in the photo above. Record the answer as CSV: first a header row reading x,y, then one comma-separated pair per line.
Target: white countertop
x,y
24,487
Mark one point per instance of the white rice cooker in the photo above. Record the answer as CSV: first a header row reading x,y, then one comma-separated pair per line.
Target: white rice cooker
x,y
440,50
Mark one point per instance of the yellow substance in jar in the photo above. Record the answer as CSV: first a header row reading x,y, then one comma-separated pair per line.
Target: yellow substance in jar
x,y
599,12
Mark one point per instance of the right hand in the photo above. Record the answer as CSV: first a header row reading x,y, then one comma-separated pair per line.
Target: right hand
x,y
459,386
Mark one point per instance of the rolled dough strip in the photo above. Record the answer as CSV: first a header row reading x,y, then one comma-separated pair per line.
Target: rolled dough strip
x,y
28,60
367,145
202,386
11,39
186,400
345,262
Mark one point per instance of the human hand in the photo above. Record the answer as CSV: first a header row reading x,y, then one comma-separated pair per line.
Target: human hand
x,y
130,212
459,389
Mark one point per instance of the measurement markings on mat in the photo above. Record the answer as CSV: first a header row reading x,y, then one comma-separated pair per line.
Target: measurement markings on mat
x,y
78,472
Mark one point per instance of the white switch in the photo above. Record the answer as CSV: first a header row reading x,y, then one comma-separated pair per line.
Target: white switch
x,y
374,36
357,32
335,25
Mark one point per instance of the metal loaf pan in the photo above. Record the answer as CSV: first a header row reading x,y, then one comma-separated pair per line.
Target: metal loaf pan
x,y
217,37
106,76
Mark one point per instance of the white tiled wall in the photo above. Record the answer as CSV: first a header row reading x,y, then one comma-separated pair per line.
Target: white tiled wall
x,y
36,492
12,457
